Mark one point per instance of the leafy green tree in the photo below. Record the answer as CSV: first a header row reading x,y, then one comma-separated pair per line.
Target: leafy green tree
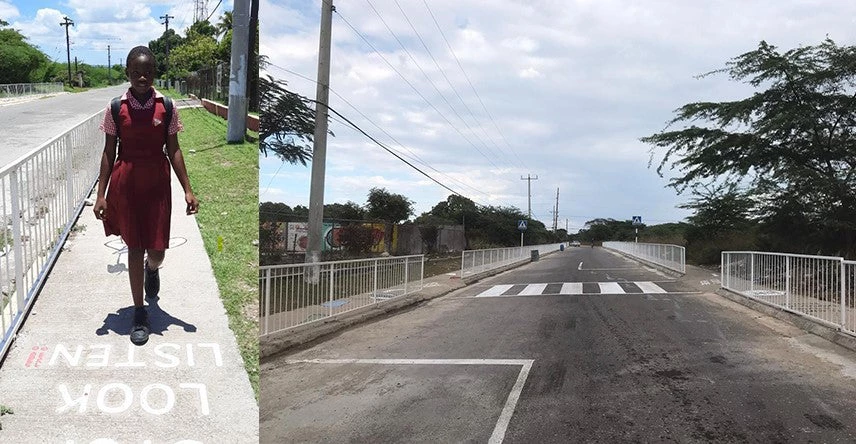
x,y
287,124
158,47
197,52
19,60
792,141
388,207
348,211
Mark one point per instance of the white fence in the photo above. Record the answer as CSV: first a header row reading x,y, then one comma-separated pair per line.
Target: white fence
x,y
474,262
672,257
28,89
292,296
41,195
819,287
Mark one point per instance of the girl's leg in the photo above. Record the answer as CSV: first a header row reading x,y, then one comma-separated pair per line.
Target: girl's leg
x,y
154,258
135,274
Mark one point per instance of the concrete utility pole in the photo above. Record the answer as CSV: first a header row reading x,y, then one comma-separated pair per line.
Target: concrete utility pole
x,y
237,122
319,148
166,40
529,179
67,22
556,213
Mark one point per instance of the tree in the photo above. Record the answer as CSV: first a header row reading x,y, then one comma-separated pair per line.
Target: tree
x,y
792,141
388,207
225,24
196,52
19,59
158,47
348,211
287,122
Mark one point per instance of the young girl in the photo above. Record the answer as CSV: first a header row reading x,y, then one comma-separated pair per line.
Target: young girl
x,y
137,204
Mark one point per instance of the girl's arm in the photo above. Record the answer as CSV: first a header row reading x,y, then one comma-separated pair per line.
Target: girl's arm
x,y
177,161
107,159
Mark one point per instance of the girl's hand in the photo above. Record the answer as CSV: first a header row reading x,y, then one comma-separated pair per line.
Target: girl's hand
x,y
100,208
192,203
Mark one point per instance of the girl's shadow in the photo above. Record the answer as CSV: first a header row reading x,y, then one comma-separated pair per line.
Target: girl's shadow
x,y
159,321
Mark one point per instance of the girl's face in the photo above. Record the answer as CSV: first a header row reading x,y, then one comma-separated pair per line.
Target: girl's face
x,y
141,72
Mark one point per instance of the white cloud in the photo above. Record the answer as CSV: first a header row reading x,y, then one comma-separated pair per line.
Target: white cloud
x,y
529,73
8,11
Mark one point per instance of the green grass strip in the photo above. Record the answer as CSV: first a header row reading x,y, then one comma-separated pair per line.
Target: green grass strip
x,y
225,179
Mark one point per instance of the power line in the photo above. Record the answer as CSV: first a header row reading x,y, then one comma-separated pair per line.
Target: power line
x,y
415,157
416,62
416,90
471,83
446,77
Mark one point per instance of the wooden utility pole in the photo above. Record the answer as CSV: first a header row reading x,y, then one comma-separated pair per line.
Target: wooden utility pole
x,y
166,41
67,22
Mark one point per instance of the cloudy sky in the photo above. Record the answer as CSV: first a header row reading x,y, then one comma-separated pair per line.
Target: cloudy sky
x,y
478,94
98,23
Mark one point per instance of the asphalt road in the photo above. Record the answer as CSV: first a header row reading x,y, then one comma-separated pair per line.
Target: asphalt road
x,y
27,125
637,357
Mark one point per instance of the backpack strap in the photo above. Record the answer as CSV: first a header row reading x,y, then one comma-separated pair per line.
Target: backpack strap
x,y
115,104
169,107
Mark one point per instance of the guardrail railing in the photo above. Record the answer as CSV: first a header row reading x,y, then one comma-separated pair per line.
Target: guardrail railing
x,y
298,294
669,256
41,195
479,261
819,287
28,89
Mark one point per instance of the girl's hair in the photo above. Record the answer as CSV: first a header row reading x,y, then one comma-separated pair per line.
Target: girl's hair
x,y
139,51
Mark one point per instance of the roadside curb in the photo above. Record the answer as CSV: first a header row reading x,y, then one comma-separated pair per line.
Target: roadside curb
x,y
831,334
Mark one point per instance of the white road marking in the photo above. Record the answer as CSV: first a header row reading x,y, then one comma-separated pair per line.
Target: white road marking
x,y
580,267
650,287
610,288
533,289
510,403
705,282
496,290
572,288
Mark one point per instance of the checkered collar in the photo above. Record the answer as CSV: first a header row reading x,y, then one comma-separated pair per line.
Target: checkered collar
x,y
134,103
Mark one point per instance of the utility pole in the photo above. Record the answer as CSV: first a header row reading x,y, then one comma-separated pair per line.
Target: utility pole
x,y
253,79
67,22
166,40
529,179
556,213
319,148
238,66
109,67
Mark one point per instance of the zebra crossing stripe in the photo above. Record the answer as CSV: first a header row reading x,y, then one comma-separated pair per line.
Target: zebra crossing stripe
x,y
650,287
533,289
572,288
610,288
496,290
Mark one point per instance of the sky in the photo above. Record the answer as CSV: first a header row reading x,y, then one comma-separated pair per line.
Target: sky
x,y
481,94
99,23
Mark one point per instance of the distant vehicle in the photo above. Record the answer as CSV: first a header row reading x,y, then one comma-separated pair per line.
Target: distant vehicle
x,y
575,243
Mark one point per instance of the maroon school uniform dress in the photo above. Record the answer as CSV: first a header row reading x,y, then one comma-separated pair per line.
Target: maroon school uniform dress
x,y
138,196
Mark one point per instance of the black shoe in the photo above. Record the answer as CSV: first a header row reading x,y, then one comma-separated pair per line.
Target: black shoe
x,y
140,327
152,281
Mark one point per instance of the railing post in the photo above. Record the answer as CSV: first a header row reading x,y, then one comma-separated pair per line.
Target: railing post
x,y
406,275
374,289
332,272
267,300
16,238
752,272
787,282
843,294
69,172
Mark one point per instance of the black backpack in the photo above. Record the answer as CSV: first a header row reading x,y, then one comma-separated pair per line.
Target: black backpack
x,y
116,103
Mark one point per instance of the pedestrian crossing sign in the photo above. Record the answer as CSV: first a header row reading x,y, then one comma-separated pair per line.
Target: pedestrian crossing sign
x,y
637,220
521,225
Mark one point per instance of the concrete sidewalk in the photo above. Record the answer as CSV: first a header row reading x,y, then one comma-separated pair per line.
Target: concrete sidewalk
x,y
73,376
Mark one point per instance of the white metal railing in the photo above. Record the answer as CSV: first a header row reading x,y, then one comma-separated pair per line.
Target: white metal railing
x,y
818,287
28,89
41,195
474,262
297,294
669,256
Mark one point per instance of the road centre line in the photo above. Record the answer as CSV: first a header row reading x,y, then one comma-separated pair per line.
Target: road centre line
x,y
510,403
